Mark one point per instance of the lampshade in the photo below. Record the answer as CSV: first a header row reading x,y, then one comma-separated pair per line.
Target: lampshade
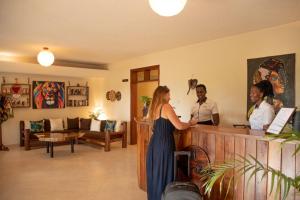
x,y
167,8
45,57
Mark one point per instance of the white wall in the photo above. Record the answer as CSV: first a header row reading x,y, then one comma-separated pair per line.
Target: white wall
x,y
11,127
220,64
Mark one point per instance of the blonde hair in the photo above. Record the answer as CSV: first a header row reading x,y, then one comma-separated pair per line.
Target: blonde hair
x,y
158,100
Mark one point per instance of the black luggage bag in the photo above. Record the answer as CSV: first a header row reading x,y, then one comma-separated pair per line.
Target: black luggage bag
x,y
181,190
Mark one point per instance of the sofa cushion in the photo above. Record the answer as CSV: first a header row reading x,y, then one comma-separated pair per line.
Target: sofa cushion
x,y
37,126
102,125
56,124
110,126
95,125
85,124
73,124
118,126
26,124
47,126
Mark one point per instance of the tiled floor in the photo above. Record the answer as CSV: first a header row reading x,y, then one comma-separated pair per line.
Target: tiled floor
x,y
88,174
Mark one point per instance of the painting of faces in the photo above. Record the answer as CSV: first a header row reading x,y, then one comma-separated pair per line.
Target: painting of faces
x,y
48,94
280,71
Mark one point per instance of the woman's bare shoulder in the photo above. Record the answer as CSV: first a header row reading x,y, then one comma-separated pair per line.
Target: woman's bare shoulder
x,y
168,108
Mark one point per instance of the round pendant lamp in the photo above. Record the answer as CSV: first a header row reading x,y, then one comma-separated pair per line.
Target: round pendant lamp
x,y
45,57
167,8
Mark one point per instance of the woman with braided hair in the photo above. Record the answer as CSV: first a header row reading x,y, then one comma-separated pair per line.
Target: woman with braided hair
x,y
261,94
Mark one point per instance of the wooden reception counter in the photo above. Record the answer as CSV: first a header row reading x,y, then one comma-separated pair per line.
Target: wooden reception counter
x,y
226,144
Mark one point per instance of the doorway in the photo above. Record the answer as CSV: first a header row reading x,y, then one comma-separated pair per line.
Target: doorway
x,y
143,82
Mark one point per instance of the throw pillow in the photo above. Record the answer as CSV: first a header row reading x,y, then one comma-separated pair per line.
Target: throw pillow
x,y
73,123
103,124
37,126
110,126
56,124
85,124
95,125
26,124
118,126
47,126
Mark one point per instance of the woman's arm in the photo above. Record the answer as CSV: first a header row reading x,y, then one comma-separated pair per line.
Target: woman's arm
x,y
175,120
215,114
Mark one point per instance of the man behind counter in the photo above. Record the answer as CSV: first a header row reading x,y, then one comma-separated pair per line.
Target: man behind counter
x,y
205,111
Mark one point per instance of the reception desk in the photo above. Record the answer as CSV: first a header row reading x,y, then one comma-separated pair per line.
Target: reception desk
x,y
226,144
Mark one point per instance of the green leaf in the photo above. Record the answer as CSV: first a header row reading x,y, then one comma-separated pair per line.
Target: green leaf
x,y
228,187
272,182
297,150
278,188
242,165
285,192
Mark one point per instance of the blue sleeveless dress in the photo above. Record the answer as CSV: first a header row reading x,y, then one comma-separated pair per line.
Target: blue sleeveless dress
x,y
160,158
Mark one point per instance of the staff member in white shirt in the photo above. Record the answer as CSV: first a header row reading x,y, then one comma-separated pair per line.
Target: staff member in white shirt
x,y
263,113
205,111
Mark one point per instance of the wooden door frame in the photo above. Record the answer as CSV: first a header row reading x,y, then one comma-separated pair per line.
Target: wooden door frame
x,y
133,96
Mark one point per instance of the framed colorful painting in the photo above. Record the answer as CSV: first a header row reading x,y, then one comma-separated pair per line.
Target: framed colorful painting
x,y
280,71
48,94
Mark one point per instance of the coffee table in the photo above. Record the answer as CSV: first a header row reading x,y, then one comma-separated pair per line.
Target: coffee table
x,y
52,138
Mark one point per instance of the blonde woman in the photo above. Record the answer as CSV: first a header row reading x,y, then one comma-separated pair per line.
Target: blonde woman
x,y
160,156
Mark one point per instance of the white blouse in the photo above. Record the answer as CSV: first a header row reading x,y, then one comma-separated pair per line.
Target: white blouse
x,y
262,115
204,111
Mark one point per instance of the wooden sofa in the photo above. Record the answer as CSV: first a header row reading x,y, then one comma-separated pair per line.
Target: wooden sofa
x,y
103,138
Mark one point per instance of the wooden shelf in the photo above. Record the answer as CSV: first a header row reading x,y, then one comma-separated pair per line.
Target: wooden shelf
x,y
73,99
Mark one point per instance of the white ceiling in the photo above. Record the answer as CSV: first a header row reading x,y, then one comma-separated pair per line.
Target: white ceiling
x,y
112,30
28,68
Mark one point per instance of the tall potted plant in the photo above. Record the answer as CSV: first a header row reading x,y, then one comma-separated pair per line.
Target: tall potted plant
x,y
146,101
5,113
215,174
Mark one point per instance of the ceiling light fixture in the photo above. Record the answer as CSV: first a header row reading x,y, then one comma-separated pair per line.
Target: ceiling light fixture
x,y
45,57
167,8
